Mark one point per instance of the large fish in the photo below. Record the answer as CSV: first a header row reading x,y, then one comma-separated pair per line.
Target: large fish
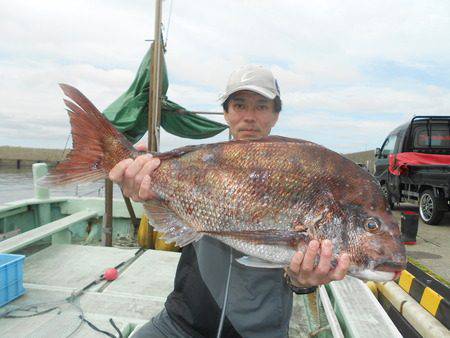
x,y
266,198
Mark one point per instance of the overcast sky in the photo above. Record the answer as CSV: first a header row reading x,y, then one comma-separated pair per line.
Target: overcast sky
x,y
349,71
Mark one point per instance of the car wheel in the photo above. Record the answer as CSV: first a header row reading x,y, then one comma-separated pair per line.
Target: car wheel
x,y
428,208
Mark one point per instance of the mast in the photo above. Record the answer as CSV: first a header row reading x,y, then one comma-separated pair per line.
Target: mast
x,y
154,104
154,98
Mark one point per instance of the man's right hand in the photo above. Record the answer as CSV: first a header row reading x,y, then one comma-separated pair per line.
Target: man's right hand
x,y
134,176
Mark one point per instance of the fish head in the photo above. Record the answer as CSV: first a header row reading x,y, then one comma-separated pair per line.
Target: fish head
x,y
364,226
374,245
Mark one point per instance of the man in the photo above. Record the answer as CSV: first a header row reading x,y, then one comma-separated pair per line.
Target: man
x,y
214,294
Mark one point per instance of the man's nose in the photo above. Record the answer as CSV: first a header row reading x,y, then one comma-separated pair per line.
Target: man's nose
x,y
249,114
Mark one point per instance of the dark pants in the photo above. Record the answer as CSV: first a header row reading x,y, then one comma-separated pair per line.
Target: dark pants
x,y
160,326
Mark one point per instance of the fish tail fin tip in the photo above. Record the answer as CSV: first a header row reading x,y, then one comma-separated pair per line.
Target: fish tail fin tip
x,y
97,145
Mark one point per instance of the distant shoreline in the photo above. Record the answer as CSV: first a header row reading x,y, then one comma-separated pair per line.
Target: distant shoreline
x,y
17,157
27,156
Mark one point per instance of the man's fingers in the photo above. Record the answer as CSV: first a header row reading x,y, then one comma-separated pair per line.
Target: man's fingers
x,y
117,172
310,255
326,250
341,269
141,147
296,262
144,189
146,170
137,165
150,166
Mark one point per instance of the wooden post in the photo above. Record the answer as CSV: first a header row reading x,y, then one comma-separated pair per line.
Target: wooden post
x,y
134,220
154,103
107,230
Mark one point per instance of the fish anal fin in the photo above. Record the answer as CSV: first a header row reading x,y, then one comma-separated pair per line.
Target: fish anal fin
x,y
164,220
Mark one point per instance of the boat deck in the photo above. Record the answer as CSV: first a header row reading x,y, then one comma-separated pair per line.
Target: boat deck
x,y
53,274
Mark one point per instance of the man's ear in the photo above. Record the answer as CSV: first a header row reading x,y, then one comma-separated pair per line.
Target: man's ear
x,y
274,122
225,116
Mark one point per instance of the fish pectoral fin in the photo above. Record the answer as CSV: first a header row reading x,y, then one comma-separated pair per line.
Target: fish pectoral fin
x,y
259,263
269,236
174,229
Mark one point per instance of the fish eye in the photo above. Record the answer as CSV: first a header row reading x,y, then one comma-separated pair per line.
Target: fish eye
x,y
371,225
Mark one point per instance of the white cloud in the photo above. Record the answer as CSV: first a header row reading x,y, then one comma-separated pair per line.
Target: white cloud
x,y
373,100
320,52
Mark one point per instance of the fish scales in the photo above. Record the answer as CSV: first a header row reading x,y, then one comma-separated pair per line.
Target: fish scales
x,y
253,192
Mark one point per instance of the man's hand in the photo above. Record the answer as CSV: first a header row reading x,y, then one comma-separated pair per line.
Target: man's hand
x,y
134,175
303,273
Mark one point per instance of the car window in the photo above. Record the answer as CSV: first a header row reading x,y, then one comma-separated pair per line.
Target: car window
x,y
440,137
388,147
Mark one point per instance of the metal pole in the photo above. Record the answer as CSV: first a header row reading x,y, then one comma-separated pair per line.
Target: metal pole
x,y
107,217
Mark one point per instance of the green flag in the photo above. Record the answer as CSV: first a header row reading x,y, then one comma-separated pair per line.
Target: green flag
x,y
129,113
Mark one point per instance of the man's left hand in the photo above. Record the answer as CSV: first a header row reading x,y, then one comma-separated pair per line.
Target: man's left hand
x,y
303,273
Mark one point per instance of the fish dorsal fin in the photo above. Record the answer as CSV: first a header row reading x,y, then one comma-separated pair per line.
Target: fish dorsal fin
x,y
258,263
187,149
164,220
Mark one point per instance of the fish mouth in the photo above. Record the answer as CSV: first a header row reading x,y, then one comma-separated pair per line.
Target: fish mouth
x,y
390,267
373,275
381,271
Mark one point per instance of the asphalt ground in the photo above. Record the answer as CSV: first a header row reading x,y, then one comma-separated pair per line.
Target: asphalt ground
x,y
432,248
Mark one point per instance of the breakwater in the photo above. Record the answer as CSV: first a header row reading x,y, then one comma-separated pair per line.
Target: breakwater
x,y
20,157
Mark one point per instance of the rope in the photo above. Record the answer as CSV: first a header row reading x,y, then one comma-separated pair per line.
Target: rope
x,y
65,147
168,23
92,326
225,297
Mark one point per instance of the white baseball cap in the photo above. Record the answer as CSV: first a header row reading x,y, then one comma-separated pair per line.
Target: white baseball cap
x,y
254,78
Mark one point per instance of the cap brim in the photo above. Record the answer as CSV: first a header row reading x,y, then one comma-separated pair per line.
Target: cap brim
x,y
259,90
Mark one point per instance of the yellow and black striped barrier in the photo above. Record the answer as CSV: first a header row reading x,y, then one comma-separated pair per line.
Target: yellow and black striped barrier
x,y
428,292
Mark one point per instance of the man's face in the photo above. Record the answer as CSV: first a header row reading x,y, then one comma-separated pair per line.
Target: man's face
x,y
250,116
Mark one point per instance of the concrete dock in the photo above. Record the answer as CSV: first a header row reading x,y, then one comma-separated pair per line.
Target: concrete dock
x,y
433,243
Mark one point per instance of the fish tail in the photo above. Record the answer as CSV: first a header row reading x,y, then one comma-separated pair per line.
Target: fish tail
x,y
97,145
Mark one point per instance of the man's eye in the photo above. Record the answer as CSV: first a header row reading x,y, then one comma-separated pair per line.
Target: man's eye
x,y
239,106
263,107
